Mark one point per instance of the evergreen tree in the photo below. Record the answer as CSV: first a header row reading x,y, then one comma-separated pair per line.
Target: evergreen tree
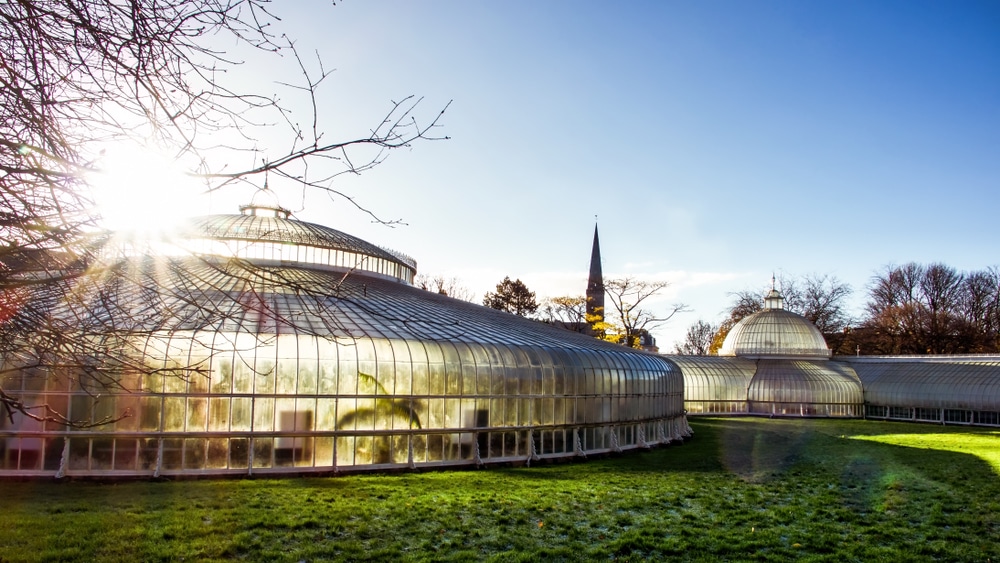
x,y
512,297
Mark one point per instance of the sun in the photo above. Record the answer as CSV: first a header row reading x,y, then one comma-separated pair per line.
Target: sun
x,y
142,190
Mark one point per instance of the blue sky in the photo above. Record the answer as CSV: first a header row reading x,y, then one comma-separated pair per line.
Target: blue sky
x,y
716,141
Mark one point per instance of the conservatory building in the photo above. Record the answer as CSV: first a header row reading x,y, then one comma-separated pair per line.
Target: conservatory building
x,y
773,362
776,363
263,344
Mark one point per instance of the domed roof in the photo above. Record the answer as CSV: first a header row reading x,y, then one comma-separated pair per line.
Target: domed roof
x,y
775,332
256,228
265,231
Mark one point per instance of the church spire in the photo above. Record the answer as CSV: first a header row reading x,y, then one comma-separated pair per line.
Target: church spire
x,y
595,283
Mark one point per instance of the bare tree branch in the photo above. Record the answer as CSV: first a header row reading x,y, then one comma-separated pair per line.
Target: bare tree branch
x,y
79,75
630,317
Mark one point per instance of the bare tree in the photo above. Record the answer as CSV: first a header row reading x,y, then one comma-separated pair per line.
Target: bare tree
x,y
78,75
452,287
894,310
822,300
980,309
932,309
631,317
744,303
697,340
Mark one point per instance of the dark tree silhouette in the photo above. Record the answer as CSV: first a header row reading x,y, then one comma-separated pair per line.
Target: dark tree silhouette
x,y
744,303
452,287
568,311
932,309
512,297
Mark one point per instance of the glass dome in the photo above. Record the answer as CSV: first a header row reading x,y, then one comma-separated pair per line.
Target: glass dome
x,y
772,362
267,233
775,332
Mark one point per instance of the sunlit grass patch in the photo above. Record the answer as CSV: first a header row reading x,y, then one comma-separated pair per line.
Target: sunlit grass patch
x,y
984,445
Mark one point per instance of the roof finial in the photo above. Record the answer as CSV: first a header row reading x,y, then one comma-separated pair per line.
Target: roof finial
x,y
265,203
774,300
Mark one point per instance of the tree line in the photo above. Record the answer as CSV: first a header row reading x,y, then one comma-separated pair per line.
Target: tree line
x,y
910,309
933,309
626,322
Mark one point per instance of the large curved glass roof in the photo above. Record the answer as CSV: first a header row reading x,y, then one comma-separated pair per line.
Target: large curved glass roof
x,y
257,228
191,294
275,237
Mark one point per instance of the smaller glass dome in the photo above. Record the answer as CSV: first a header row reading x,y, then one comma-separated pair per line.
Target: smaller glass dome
x,y
265,232
775,332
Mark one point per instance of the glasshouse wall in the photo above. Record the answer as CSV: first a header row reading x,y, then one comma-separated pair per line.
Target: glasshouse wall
x,y
302,403
940,389
805,388
715,385
774,387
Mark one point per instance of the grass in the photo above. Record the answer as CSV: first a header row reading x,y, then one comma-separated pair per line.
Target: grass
x,y
742,490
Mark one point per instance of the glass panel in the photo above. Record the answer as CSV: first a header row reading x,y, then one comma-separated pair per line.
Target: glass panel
x,y
148,451
53,453
243,376
327,354
324,451
149,413
218,414
126,454
241,413
263,414
173,453
194,453
326,414
287,373
174,414
197,414
264,375
218,453
262,448
239,450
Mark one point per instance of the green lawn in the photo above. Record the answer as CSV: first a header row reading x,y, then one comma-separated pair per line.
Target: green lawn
x,y
740,489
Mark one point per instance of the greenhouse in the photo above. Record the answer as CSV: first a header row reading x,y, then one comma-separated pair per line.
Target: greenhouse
x,y
269,345
776,363
773,362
